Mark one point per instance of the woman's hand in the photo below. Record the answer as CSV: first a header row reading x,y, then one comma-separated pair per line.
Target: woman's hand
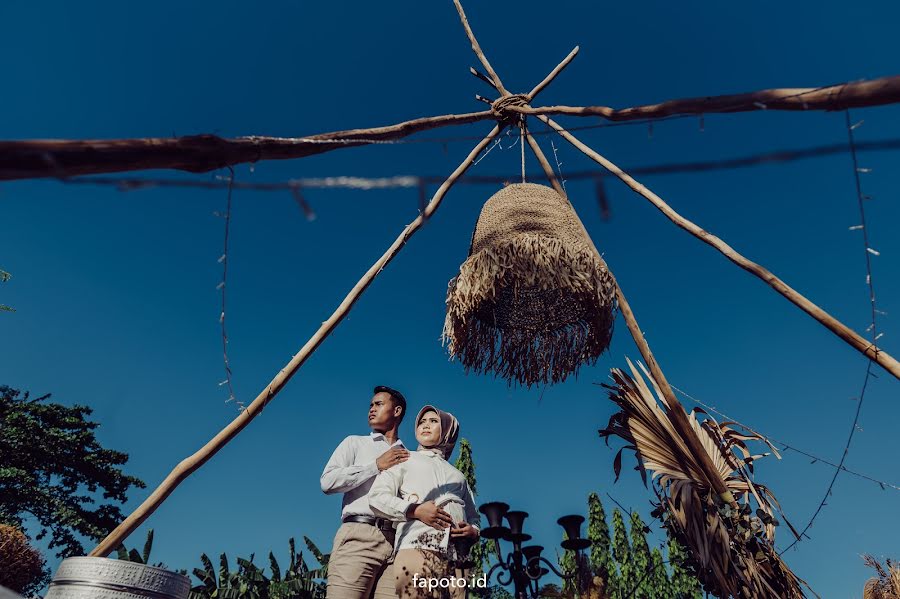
x,y
464,531
431,514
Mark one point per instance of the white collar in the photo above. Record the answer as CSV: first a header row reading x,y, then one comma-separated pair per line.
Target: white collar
x,y
376,436
432,453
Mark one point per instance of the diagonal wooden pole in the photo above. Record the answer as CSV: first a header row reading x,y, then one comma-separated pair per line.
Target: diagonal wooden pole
x,y
674,409
853,338
476,48
194,461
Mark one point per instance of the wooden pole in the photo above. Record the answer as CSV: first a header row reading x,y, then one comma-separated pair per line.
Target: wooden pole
x,y
194,461
877,92
30,159
195,153
832,324
476,48
552,75
674,410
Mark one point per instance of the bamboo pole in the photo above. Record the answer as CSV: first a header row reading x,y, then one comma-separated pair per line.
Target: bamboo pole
x,y
194,461
832,324
31,159
674,409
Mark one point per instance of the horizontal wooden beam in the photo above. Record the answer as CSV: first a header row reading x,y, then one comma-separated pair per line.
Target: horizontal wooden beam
x,y
30,159
194,153
841,96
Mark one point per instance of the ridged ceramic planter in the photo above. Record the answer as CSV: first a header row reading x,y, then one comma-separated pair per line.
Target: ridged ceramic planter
x,y
103,578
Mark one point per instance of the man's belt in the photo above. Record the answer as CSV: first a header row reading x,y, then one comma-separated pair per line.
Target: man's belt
x,y
380,523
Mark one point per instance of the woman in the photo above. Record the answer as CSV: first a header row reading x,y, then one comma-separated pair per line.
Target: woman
x,y
433,502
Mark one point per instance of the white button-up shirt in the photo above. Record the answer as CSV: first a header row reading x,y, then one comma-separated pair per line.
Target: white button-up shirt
x,y
352,469
425,476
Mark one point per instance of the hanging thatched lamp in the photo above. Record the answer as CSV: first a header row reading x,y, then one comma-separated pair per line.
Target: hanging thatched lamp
x,y
533,301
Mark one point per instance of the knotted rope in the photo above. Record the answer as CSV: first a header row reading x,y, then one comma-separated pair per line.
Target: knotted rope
x,y
500,106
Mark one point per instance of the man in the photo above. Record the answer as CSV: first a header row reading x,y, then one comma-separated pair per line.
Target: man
x,y
358,567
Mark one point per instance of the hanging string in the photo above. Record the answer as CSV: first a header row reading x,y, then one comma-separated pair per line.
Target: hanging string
x,y
522,144
558,166
869,252
223,260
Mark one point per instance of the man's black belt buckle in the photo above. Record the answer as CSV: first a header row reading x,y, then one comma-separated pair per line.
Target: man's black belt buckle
x,y
380,523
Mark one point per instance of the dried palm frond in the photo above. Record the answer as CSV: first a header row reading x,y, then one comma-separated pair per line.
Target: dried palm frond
x,y
732,546
887,584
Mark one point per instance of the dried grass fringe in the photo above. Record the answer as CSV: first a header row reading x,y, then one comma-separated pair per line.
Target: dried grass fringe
x,y
530,355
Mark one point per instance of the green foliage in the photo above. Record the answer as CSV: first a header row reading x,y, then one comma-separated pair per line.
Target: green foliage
x,y
4,277
466,465
249,581
132,555
622,553
53,469
481,550
660,586
684,584
626,568
22,567
601,559
568,565
640,556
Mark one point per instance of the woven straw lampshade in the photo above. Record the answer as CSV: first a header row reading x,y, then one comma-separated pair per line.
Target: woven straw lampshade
x,y
533,301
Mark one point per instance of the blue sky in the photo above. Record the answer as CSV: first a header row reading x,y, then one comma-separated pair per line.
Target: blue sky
x,y
115,292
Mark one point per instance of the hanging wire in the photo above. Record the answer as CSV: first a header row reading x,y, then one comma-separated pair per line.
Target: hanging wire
x,y
861,200
223,260
786,446
411,181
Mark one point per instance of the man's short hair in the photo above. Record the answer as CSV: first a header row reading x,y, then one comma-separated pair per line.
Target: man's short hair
x,y
396,396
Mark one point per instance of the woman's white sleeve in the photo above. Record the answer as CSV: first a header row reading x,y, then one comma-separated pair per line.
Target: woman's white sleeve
x,y
384,496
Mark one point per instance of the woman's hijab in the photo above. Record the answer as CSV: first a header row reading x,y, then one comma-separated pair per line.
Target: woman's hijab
x,y
449,430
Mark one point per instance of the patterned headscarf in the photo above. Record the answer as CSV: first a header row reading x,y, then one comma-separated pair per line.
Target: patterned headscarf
x,y
449,430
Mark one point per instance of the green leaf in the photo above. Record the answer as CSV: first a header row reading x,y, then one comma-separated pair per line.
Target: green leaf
x,y
320,557
148,545
276,569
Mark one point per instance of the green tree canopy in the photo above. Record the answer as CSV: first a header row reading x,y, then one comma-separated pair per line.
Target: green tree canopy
x,y
602,563
52,468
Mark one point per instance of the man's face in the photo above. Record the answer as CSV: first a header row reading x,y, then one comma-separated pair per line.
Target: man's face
x,y
382,411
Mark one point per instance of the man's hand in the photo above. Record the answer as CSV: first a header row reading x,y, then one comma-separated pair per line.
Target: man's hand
x,y
391,457
464,531
431,515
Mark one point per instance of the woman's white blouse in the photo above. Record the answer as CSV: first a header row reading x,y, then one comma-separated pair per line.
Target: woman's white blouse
x,y
425,476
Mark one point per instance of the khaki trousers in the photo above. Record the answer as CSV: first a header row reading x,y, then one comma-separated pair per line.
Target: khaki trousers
x,y
419,574
358,567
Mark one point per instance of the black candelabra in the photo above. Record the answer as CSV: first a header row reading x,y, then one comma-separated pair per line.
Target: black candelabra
x,y
522,566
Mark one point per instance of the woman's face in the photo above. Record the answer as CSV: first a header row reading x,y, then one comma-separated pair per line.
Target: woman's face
x,y
428,429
